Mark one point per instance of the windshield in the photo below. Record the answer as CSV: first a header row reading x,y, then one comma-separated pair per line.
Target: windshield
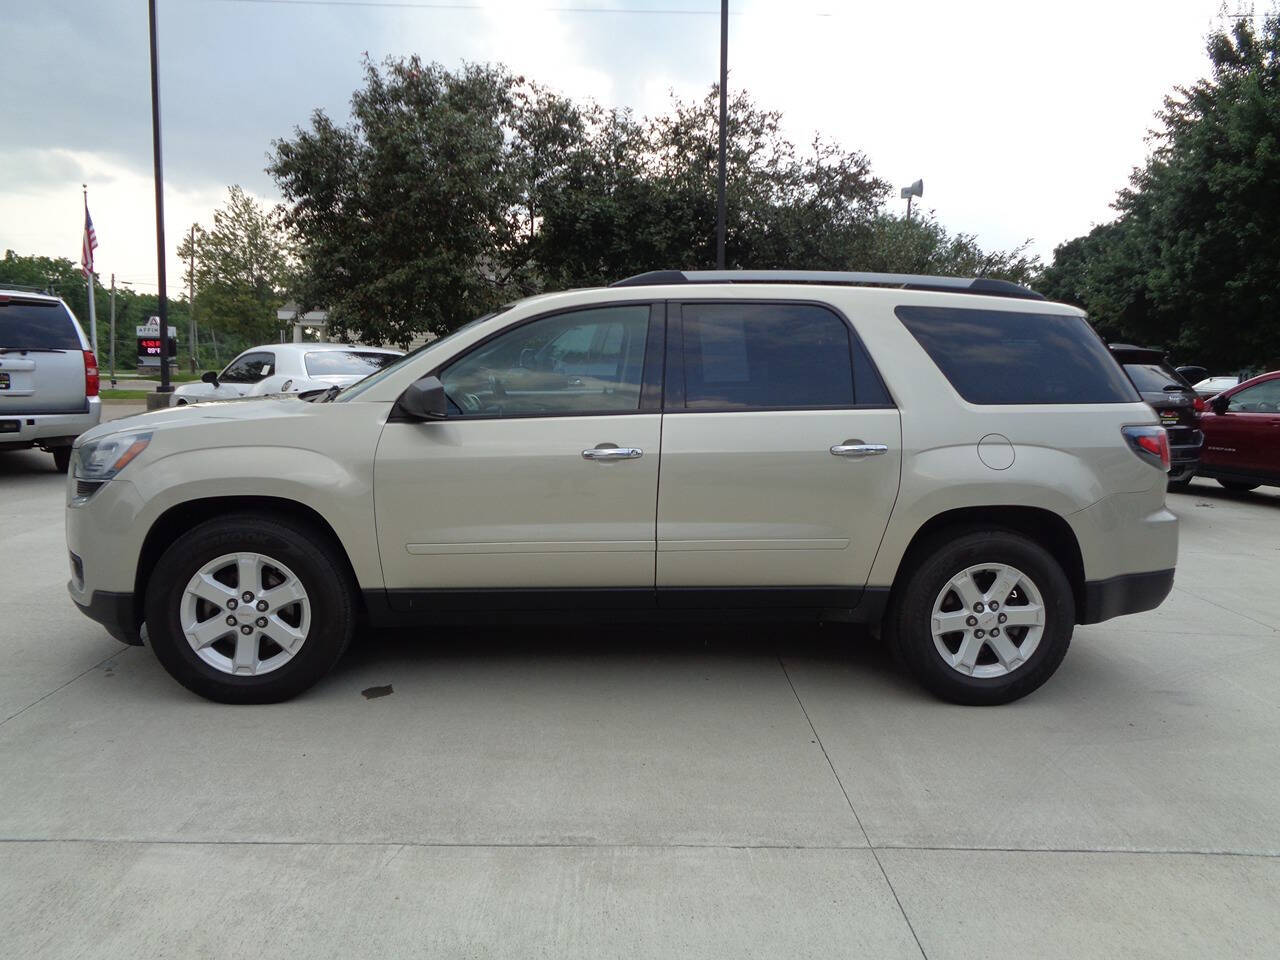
x,y
1154,377
36,324
360,386
346,363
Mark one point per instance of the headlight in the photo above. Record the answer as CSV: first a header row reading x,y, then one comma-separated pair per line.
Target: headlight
x,y
100,460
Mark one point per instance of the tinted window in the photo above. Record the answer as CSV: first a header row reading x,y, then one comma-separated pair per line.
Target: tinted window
x,y
345,363
249,368
759,355
587,361
37,324
1154,377
1261,398
998,356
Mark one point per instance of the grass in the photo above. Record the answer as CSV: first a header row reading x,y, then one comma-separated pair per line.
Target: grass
x,y
174,375
110,394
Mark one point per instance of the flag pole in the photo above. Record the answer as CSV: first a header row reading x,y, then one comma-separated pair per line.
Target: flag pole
x,y
93,313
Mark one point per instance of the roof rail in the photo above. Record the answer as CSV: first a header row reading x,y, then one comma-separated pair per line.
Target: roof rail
x,y
25,288
903,281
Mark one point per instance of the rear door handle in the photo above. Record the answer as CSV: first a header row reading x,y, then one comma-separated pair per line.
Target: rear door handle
x,y
611,451
856,449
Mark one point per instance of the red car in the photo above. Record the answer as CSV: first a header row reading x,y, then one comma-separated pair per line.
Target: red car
x,y
1242,435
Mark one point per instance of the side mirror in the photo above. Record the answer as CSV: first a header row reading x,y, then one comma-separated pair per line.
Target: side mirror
x,y
424,400
1219,404
210,376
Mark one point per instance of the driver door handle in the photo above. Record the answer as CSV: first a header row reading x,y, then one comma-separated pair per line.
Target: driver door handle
x,y
611,451
856,449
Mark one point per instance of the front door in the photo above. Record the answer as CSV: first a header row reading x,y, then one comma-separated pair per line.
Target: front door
x,y
1246,438
781,453
545,474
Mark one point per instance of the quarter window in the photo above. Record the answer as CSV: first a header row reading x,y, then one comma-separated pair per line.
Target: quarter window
x,y
1004,356
740,356
587,361
249,368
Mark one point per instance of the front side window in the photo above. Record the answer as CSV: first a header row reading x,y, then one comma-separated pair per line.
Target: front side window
x,y
586,361
249,368
1006,356
741,356
1260,398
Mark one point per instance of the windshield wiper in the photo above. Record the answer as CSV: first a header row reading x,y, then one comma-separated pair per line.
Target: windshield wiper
x,y
328,395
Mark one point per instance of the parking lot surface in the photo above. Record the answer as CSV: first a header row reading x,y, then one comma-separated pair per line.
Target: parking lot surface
x,y
648,792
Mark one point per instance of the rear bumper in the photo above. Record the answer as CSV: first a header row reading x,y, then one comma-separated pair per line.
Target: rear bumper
x,y
53,429
115,611
1125,594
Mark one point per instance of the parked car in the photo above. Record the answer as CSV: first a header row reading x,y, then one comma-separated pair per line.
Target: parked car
x,y
48,376
1174,401
1242,435
287,368
1212,386
956,462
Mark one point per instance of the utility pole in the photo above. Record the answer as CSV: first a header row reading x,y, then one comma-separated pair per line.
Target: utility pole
x,y
165,386
191,299
724,130
113,330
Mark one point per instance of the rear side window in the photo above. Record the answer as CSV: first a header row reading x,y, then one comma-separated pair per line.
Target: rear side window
x,y
740,356
998,356
37,324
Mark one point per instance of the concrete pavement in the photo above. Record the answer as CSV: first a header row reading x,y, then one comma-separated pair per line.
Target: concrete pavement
x,y
695,792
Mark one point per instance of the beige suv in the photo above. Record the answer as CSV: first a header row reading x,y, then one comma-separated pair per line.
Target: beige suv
x,y
956,462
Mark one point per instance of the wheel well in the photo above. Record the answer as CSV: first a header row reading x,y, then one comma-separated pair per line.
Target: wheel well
x,y
1043,527
177,520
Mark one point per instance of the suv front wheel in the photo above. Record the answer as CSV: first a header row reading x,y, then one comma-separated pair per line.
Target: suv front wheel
x,y
249,610
985,619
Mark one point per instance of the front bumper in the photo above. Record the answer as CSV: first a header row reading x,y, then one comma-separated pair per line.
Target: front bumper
x,y
115,611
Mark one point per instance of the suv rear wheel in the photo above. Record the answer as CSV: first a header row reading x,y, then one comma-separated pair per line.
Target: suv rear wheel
x,y
985,619
249,610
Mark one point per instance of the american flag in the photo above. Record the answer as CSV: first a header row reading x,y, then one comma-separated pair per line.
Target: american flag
x,y
90,244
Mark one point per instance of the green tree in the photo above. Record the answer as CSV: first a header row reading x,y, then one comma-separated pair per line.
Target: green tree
x,y
1190,262
243,269
449,193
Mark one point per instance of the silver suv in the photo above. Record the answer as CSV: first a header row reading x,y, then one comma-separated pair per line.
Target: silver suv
x,y
955,462
48,376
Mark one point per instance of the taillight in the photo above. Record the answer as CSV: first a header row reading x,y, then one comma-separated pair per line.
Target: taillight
x,y
1149,443
1199,404
90,374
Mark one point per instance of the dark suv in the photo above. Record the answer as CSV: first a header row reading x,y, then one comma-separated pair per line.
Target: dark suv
x,y
1175,402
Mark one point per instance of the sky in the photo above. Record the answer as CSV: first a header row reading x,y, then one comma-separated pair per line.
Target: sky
x,y
1023,118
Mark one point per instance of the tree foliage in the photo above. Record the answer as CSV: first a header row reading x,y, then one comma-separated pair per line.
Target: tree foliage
x,y
450,192
243,268
1190,263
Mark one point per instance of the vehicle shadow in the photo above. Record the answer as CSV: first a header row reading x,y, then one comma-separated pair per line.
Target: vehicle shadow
x,y
1211,491
26,463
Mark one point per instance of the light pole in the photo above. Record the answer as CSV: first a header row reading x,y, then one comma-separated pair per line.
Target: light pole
x,y
915,190
724,130
165,387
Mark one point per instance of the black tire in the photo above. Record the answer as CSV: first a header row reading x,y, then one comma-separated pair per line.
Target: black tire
x,y
911,610
61,458
312,559
1238,486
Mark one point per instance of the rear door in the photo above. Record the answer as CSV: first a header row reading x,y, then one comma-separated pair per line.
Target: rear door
x,y
781,453
42,358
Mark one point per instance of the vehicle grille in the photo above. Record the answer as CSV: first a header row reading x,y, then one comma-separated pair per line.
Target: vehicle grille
x,y
87,488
